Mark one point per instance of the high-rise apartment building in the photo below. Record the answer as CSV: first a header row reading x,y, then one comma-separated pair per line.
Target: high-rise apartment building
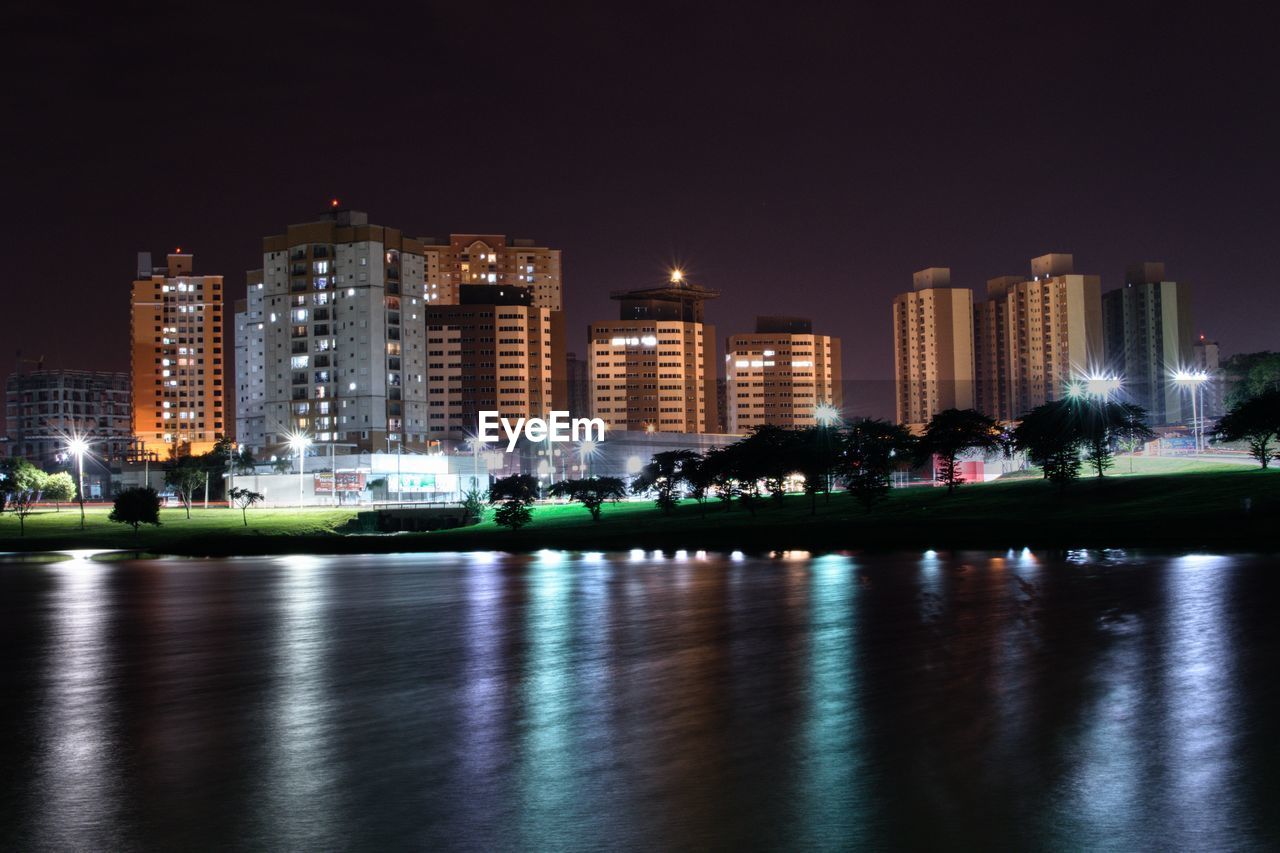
x,y
178,369
493,351
1205,358
1149,336
343,353
491,259
251,359
1041,332
654,369
990,349
778,374
932,347
577,386
45,408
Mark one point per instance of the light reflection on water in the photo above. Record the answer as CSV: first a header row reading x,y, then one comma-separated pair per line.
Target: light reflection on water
x,y
636,700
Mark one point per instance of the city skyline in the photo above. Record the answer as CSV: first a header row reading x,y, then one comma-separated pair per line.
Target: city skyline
x,y
799,184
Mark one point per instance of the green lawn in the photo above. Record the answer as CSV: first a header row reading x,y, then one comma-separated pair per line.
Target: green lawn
x,y
1173,503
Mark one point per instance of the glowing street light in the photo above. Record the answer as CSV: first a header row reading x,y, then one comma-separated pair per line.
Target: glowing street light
x,y
298,443
1193,381
1097,385
826,414
587,449
79,447
677,276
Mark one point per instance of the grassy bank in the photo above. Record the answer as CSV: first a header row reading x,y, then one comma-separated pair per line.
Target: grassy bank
x,y
1166,503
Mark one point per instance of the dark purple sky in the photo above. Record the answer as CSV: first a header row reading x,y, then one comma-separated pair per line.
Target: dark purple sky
x,y
802,158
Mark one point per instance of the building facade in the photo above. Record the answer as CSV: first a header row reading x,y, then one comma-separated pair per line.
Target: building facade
x,y
932,348
45,408
778,374
178,368
342,315
1033,335
494,351
1149,336
654,368
250,328
491,259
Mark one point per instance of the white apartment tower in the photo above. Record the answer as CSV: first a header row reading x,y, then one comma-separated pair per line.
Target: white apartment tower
x,y
342,337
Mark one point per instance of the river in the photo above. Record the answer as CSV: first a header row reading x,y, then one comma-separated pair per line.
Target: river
x,y
1078,700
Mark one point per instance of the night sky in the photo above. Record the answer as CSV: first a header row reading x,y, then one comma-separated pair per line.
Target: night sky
x,y
802,158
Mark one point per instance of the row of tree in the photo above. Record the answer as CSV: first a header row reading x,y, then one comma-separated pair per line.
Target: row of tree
x,y
23,485
1061,438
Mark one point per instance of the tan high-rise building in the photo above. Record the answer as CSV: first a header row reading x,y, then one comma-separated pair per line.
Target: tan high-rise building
x,y
495,351
990,349
341,307
491,259
654,368
932,347
1053,332
779,374
178,365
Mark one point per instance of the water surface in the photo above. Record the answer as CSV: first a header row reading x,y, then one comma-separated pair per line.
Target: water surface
x,y
641,701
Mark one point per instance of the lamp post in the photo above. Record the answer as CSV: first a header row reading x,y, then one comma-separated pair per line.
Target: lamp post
x,y
299,442
827,416
586,449
79,447
1194,380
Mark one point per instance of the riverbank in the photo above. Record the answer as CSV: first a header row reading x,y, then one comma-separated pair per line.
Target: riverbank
x,y
1236,509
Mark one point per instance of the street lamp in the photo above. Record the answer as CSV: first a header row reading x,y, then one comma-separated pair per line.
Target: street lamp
x,y
826,414
1098,385
1194,380
677,276
298,443
587,449
79,447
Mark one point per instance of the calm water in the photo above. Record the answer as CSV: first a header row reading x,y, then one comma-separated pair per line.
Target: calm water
x,y
1068,701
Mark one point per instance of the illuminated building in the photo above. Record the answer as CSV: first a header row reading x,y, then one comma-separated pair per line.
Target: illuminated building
x,y
343,336
177,363
1033,335
932,347
491,259
653,369
44,408
494,351
779,374
1149,336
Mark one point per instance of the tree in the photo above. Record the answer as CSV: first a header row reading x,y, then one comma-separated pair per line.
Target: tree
x,y
663,476
244,499
871,450
591,492
59,488
699,475
816,453
768,454
952,432
136,506
1052,435
473,502
284,466
243,462
185,474
515,493
23,484
1107,423
718,467
1255,421
1250,374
